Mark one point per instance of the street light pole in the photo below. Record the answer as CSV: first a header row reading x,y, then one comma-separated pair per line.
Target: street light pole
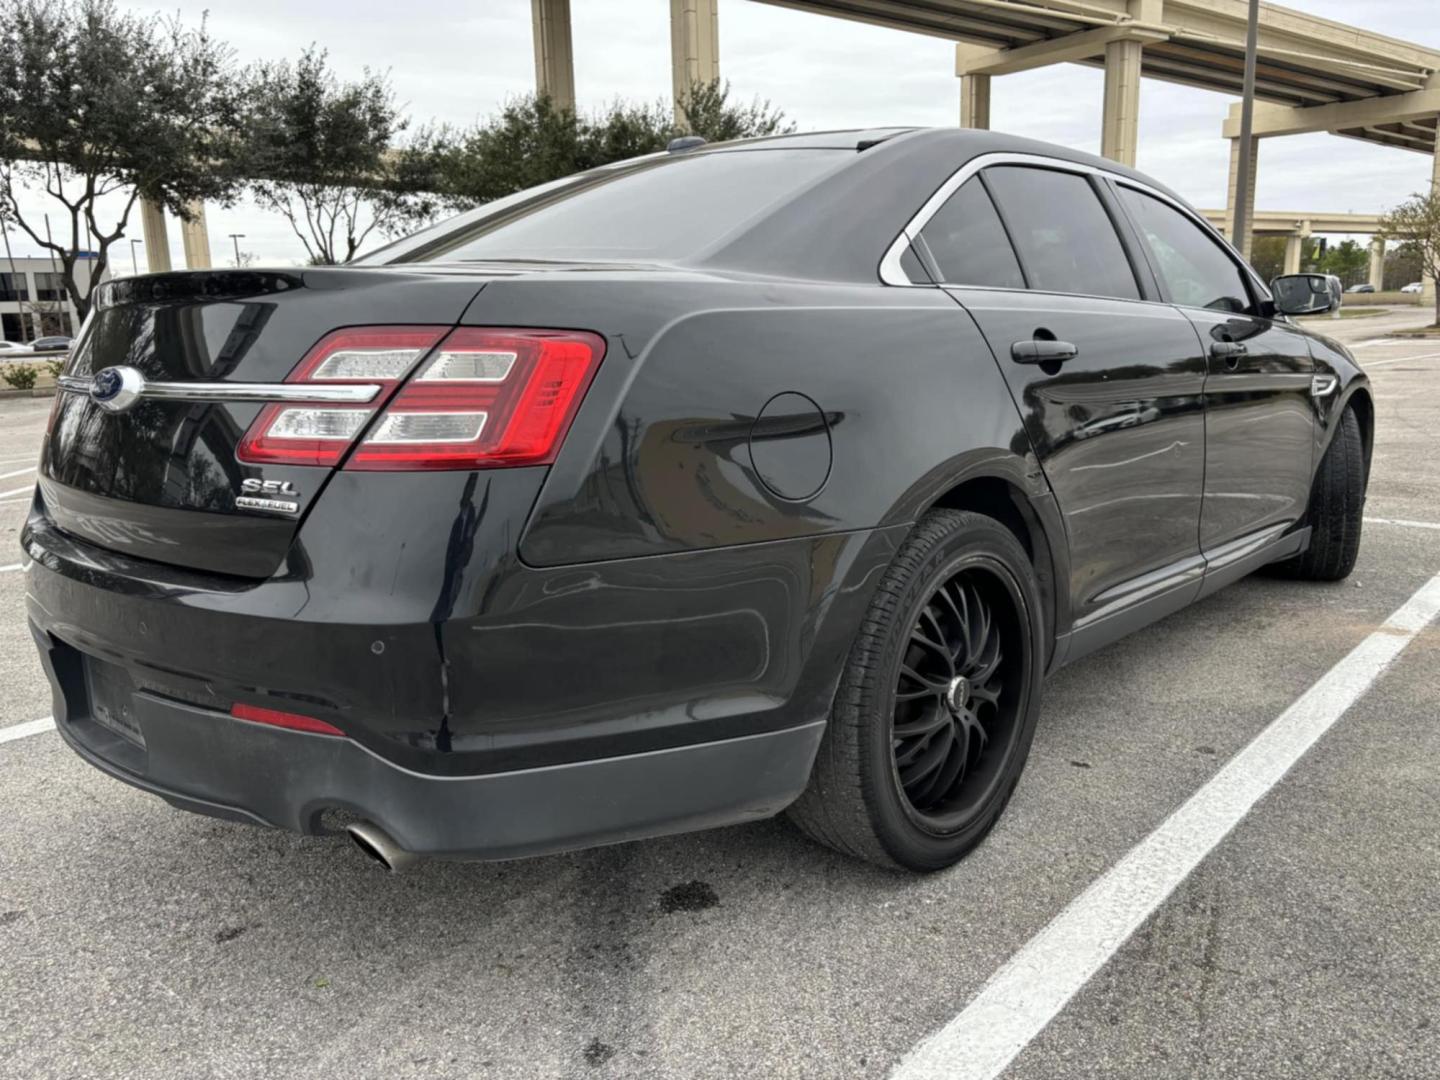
x,y
237,237
1247,123
134,264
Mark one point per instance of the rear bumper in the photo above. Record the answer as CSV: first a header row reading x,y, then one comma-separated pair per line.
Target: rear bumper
x,y
207,762
489,709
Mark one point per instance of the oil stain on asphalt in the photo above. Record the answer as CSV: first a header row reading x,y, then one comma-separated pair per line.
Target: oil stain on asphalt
x,y
691,896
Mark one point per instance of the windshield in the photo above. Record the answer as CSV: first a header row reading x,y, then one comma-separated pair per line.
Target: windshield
x,y
661,208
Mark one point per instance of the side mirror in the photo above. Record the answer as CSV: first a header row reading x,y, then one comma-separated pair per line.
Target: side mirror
x,y
1304,294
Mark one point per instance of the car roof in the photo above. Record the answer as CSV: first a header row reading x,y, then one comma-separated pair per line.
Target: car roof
x,y
837,228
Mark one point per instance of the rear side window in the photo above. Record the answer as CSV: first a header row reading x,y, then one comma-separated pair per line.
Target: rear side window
x,y
1195,269
968,244
1064,235
668,207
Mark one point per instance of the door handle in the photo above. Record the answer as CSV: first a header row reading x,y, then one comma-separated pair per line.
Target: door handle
x,y
1043,351
1229,351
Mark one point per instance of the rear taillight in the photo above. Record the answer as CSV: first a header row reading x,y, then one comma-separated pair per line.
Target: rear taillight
x,y
297,433
482,399
485,398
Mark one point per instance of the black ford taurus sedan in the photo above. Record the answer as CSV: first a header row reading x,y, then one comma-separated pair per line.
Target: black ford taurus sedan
x,y
775,474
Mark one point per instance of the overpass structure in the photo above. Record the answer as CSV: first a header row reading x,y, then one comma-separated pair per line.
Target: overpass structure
x,y
1299,226
1313,74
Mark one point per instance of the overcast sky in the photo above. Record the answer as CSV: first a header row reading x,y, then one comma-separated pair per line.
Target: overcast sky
x,y
457,60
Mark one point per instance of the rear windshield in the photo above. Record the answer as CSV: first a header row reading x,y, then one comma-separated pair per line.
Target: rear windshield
x,y
661,208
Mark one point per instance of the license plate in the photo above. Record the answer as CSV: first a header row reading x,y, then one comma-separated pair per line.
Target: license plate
x,y
112,699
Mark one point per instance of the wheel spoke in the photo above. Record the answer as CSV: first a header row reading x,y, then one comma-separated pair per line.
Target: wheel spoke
x,y
939,744
932,718
953,773
988,694
986,664
963,608
935,686
970,724
934,646
931,757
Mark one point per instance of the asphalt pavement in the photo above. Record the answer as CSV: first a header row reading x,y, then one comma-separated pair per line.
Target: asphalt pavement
x,y
138,941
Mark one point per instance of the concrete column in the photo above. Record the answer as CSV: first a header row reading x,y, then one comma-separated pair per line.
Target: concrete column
x,y
1121,125
694,47
1243,244
1377,262
554,58
1294,250
975,101
195,235
1430,285
157,243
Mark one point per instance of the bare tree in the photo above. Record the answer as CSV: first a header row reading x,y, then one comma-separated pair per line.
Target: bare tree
x,y
96,103
1418,221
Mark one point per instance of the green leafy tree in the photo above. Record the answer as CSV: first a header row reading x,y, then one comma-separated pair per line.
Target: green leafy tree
x,y
95,102
1348,261
1403,264
532,141
320,152
709,112
1417,221
1267,256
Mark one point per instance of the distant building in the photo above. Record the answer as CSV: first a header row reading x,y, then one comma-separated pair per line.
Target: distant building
x,y
33,301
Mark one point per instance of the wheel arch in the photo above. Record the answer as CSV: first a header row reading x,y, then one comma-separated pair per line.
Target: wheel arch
x,y
1364,405
1033,522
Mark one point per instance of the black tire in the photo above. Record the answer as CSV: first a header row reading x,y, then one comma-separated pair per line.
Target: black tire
x,y
1336,510
856,801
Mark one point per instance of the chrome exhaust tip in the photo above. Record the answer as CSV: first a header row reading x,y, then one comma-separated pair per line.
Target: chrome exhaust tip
x,y
376,843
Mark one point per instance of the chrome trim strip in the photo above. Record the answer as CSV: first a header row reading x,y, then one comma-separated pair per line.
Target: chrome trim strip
x,y
349,394
892,274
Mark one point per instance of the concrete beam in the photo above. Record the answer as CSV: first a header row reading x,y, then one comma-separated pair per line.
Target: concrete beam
x,y
1288,222
1120,121
975,101
694,47
195,235
970,60
554,57
157,242
1271,119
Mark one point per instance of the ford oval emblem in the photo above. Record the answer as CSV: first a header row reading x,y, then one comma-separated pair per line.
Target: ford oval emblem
x,y
116,389
106,385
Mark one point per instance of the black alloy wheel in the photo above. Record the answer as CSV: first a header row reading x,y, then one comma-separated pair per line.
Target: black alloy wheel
x,y
948,701
937,704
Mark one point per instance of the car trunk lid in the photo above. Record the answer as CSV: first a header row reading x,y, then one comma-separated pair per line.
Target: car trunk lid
x,y
160,480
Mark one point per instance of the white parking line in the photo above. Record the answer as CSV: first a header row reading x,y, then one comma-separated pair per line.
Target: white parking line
x,y
17,472
12,566
18,491
1404,522
1033,986
30,727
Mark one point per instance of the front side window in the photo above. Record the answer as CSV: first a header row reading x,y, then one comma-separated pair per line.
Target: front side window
x,y
968,244
1195,270
1065,238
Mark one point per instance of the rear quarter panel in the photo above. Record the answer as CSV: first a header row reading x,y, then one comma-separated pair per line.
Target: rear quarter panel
x,y
879,399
